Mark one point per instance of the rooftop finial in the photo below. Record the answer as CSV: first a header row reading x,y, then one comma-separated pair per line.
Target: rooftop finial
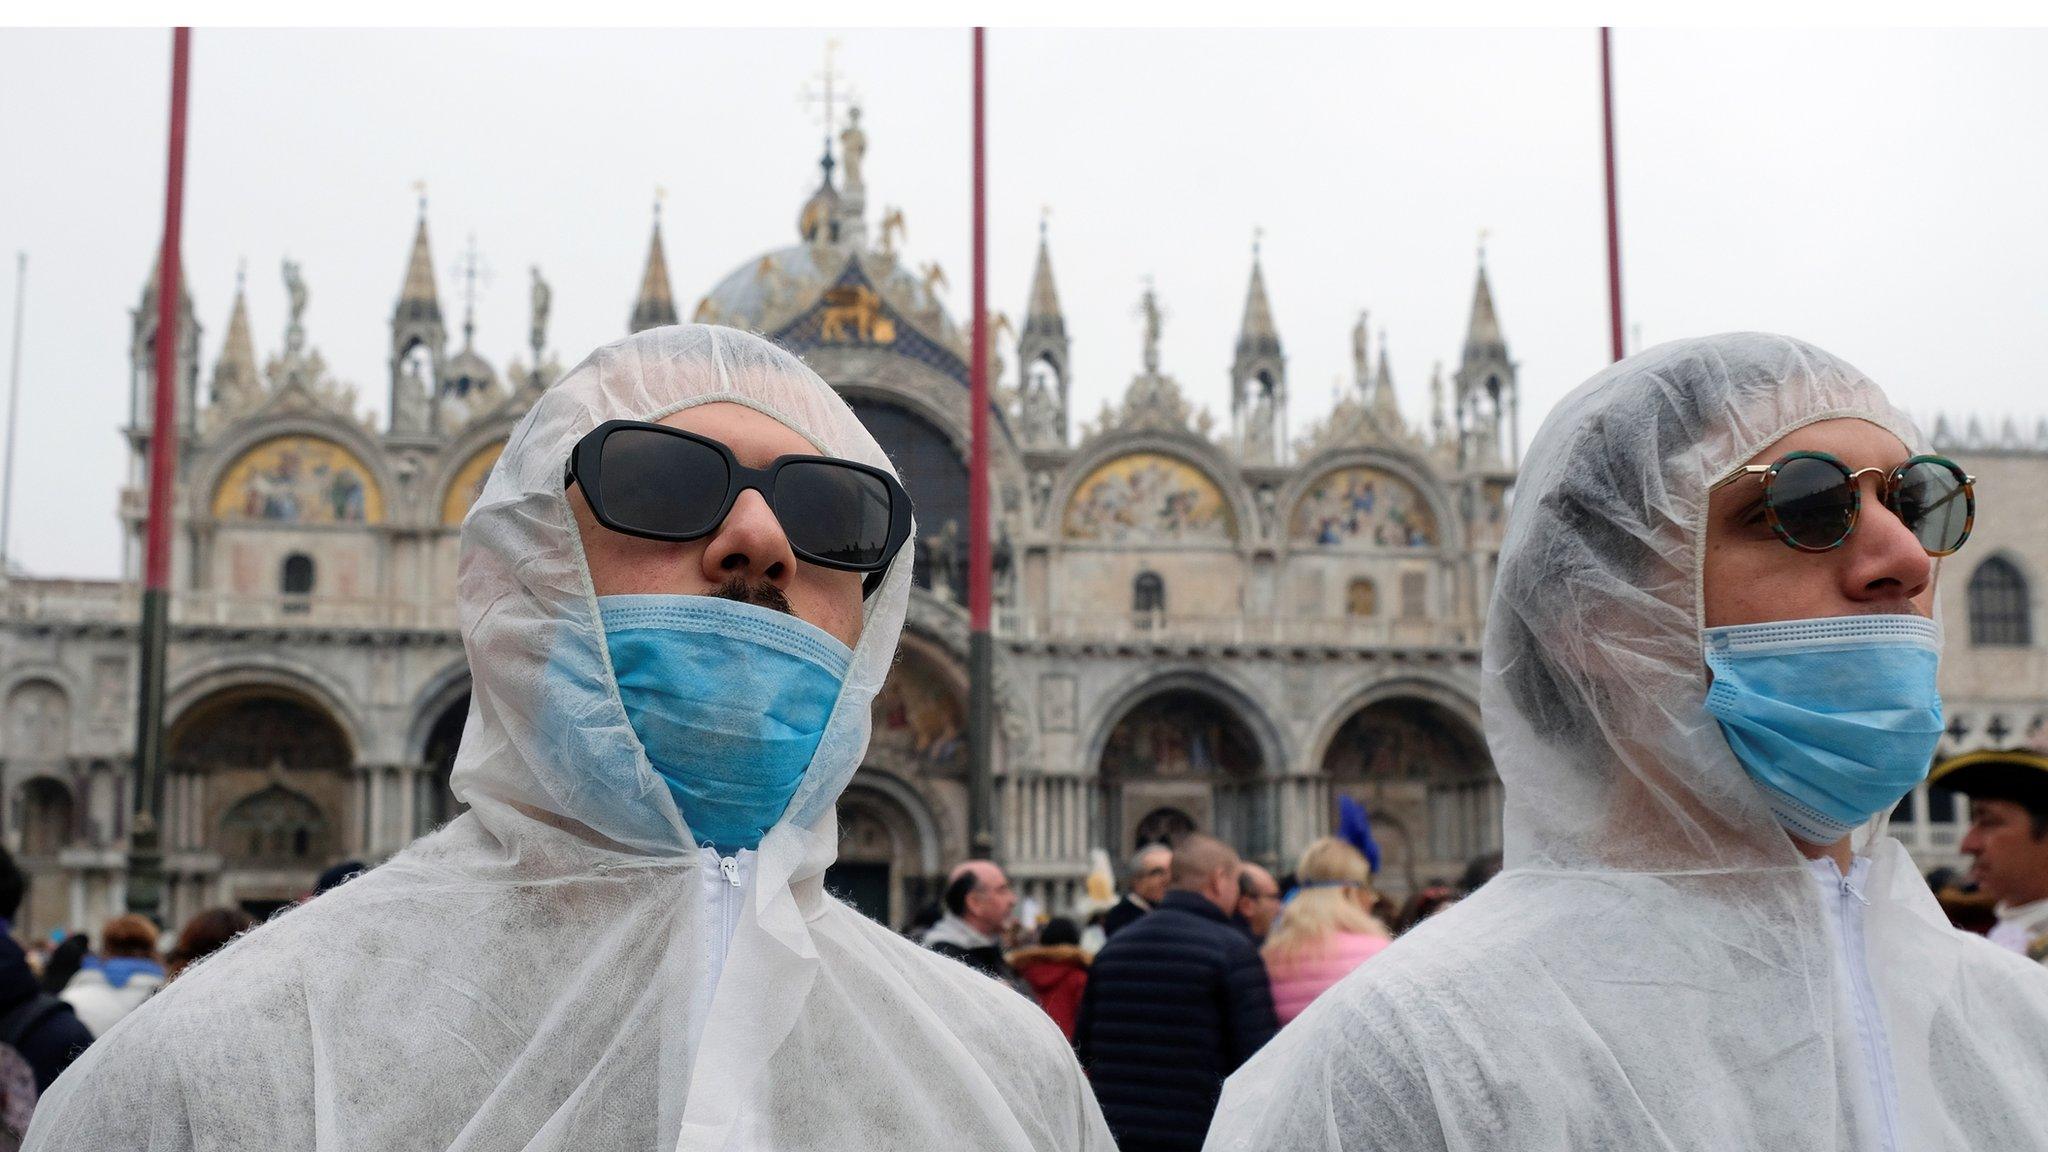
x,y
824,96
1044,216
1482,247
419,188
660,194
1258,234
241,274
472,268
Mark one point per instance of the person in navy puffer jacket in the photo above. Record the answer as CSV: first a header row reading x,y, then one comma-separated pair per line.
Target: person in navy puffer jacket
x,y
1174,1004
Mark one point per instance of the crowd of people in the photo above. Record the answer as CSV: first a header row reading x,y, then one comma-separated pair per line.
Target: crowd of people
x,y
1168,990
1710,672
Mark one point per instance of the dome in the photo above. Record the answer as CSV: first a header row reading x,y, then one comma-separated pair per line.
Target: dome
x,y
468,375
770,290
819,220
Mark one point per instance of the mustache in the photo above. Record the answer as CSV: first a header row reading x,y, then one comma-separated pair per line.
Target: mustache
x,y
736,587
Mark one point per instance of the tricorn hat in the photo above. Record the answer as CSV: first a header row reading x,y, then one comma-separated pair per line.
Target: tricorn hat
x,y
2017,774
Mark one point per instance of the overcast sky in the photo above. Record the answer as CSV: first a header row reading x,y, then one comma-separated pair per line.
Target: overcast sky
x,y
1884,194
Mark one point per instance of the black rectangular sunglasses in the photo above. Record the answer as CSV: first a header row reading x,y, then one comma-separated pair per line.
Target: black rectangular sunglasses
x,y
662,483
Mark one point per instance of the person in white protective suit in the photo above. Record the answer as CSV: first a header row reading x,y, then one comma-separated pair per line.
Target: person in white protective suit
x,y
1708,677
624,943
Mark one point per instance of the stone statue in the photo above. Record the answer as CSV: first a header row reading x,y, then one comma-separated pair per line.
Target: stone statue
x,y
1258,429
853,145
1040,409
1149,308
942,562
998,330
893,229
295,331
1359,362
543,297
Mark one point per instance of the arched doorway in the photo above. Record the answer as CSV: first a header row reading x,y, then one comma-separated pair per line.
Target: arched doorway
x,y
1424,775
1183,760
890,863
258,798
435,804
936,478
47,819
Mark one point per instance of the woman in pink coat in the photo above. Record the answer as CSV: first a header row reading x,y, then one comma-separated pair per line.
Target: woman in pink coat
x,y
1326,930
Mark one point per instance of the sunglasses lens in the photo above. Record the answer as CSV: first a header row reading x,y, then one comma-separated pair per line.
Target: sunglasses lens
x,y
834,513
1814,501
655,482
1933,502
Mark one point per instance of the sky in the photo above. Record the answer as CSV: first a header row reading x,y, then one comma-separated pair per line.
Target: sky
x,y
1880,193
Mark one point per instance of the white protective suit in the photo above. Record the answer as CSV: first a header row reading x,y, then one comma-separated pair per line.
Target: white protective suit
x,y
540,973
1655,969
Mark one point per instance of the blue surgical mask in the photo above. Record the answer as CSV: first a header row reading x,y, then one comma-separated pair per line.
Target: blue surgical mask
x,y
729,701
1835,719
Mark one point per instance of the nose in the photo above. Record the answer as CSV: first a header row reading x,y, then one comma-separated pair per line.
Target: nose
x,y
750,544
1973,842
1882,559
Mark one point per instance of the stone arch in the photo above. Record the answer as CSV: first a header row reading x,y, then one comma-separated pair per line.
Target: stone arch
x,y
1413,473
919,727
891,857
1187,742
1171,457
257,433
457,491
46,817
1412,752
434,800
261,776
266,672
442,690
277,825
38,728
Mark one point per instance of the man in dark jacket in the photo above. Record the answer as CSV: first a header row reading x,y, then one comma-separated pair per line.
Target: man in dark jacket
x,y
1151,874
1174,1004
978,904
40,1026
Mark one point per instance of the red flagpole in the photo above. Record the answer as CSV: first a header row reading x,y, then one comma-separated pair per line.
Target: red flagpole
x,y
145,867
1613,208
981,656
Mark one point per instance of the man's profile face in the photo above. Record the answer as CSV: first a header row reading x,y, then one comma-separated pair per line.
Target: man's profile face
x,y
1258,899
1753,577
747,556
992,900
1155,874
2008,861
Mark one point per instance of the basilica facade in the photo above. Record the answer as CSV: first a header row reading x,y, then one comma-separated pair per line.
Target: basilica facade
x,y
1200,623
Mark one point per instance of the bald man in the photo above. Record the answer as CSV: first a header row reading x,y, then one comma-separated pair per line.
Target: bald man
x,y
978,903
1174,1004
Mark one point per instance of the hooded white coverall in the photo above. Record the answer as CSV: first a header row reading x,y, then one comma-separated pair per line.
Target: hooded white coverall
x,y
1657,967
559,968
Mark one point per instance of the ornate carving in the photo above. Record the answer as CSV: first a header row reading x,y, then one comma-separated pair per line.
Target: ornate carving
x,y
853,315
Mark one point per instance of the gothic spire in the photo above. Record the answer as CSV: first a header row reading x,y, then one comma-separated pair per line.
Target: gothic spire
x,y
656,305
235,380
418,300
1386,407
1044,312
1482,336
1257,336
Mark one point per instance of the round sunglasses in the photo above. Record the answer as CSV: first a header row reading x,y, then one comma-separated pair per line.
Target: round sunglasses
x,y
662,483
1811,499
